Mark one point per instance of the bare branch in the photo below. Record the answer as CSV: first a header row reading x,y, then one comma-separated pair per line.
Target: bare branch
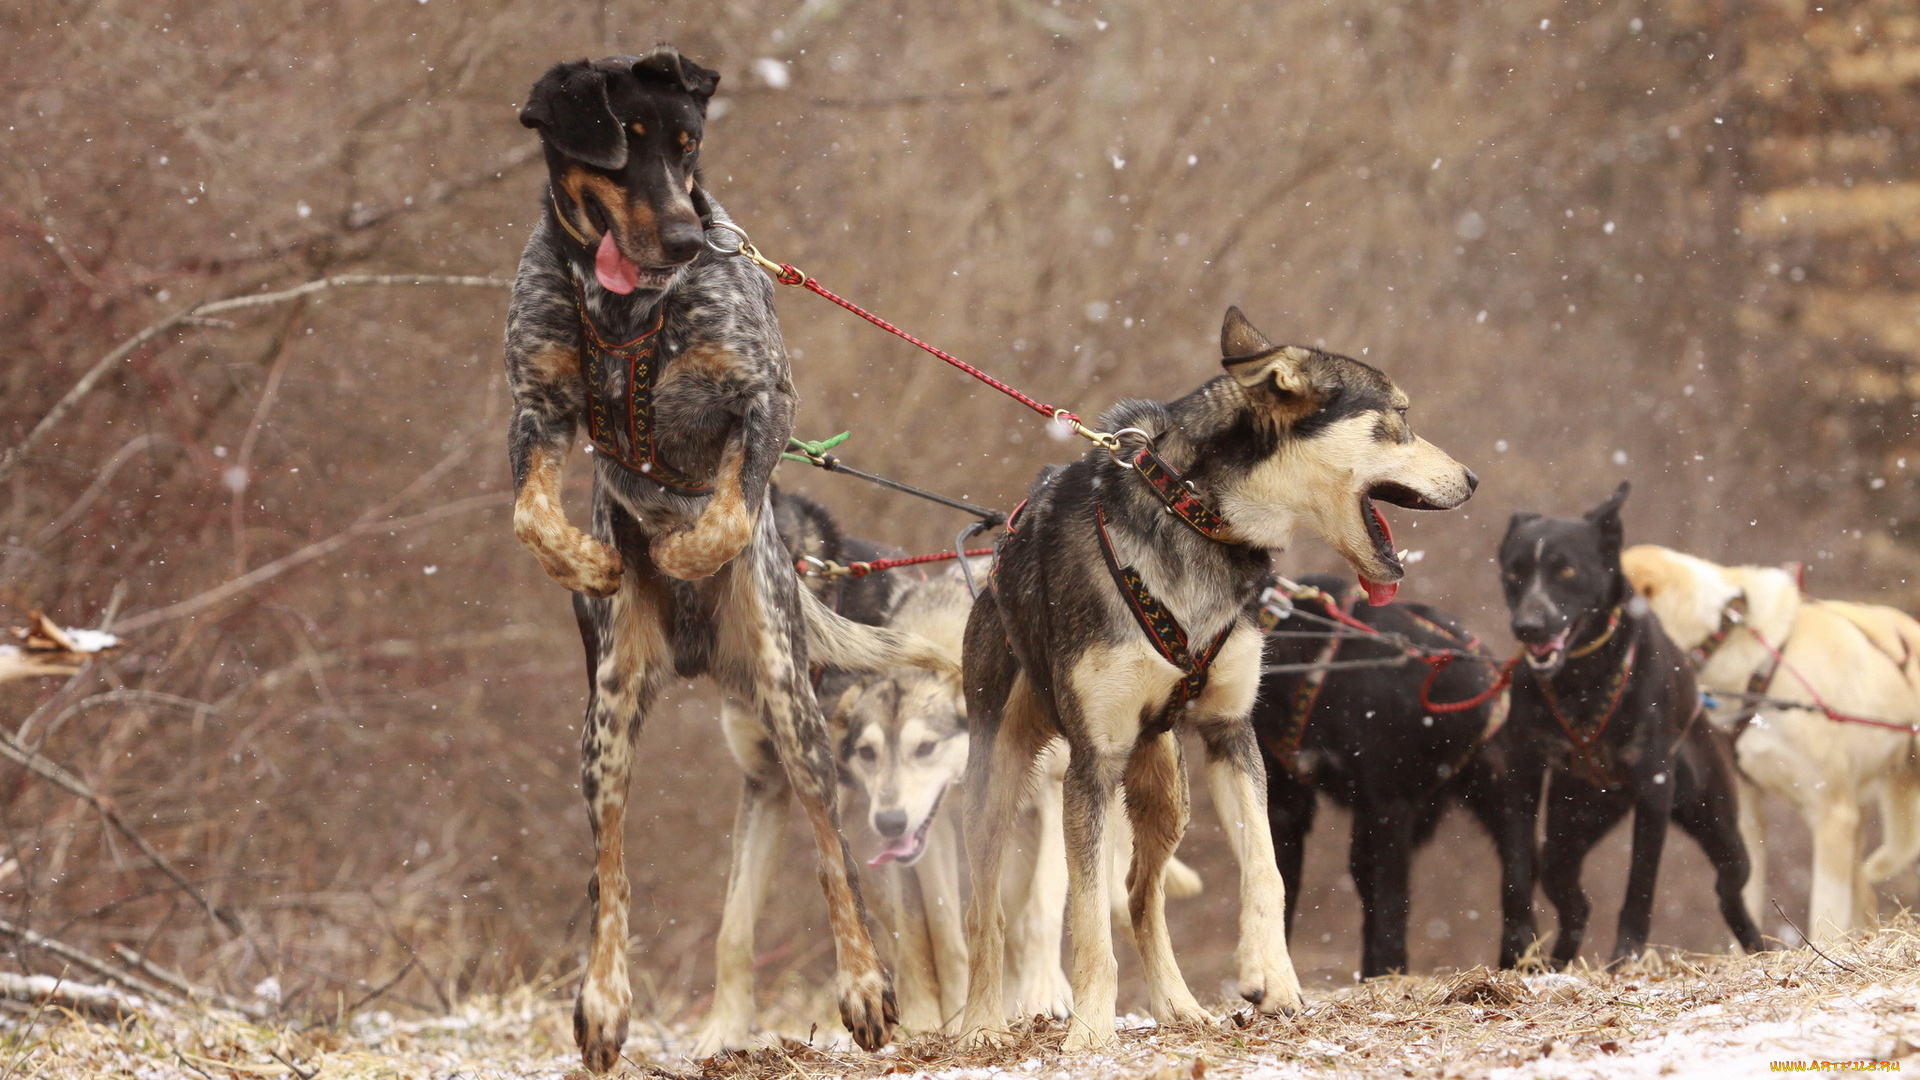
x,y
82,959
127,348
305,555
73,785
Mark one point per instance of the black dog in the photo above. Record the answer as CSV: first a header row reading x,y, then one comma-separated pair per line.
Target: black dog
x,y
1607,703
1367,737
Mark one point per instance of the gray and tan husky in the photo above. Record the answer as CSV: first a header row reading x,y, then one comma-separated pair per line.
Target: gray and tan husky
x,y
1116,618
902,741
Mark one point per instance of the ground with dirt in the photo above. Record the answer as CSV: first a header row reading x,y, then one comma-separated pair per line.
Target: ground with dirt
x,y
1673,1015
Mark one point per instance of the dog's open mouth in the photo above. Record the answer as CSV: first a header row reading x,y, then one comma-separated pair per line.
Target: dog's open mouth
x,y
1380,592
907,848
617,273
1546,655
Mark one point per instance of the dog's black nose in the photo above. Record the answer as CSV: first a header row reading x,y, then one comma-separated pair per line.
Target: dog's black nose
x,y
680,241
890,823
1473,481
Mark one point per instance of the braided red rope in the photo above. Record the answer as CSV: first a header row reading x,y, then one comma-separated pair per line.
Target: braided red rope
x,y
1437,664
862,569
791,275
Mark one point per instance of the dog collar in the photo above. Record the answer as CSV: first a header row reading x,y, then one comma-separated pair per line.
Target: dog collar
x,y
1591,647
1179,496
641,357
1169,638
1732,617
554,196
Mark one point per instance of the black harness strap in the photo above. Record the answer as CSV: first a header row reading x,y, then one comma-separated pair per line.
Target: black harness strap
x,y
641,356
1169,638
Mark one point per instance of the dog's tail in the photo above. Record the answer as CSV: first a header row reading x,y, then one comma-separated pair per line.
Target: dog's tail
x,y
1181,880
839,642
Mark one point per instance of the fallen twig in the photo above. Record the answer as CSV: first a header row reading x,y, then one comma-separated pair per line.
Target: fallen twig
x,y
101,1002
88,961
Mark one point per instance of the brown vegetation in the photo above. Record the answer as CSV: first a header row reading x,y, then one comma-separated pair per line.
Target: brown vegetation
x,y
347,699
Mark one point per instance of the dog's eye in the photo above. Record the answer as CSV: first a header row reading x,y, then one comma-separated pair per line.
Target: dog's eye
x,y
688,146
867,754
927,748
1567,573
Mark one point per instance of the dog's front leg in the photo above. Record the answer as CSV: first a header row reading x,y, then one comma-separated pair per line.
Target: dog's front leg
x,y
1519,821
1380,861
538,447
1238,782
727,522
1652,813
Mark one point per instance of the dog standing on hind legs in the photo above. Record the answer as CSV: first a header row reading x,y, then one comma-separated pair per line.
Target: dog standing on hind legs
x,y
1116,617
623,317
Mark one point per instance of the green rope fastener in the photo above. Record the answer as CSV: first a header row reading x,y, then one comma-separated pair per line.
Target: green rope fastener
x,y
814,453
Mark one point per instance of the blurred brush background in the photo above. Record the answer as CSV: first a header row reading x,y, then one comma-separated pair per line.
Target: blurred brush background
x,y
1664,240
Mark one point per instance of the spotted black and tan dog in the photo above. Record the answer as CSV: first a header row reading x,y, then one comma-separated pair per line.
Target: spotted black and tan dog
x,y
1116,617
624,318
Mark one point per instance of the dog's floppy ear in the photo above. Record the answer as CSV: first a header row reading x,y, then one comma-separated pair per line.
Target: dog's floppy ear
x,y
569,107
1606,517
666,62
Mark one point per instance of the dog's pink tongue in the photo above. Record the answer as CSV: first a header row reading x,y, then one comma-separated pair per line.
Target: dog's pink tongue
x,y
897,849
616,272
1380,592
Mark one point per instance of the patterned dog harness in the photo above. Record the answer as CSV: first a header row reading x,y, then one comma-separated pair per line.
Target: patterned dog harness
x,y
641,356
1169,638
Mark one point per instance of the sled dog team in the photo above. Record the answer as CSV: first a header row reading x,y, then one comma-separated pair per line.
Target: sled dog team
x,y
1129,601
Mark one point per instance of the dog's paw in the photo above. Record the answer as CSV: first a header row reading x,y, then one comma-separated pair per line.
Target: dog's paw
x,y
600,1027
577,561
1088,1033
699,551
1271,985
868,1009
721,1034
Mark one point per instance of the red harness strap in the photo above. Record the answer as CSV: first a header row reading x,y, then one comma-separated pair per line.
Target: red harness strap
x,y
1169,638
1588,762
642,359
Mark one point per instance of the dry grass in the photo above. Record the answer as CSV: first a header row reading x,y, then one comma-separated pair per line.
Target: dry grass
x,y
1670,1014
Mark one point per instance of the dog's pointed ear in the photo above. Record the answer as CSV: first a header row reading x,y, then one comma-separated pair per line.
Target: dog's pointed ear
x,y
1606,517
570,109
1239,338
1520,517
666,62
1256,362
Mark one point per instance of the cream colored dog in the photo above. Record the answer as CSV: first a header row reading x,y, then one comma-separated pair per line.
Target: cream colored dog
x,y
1773,657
